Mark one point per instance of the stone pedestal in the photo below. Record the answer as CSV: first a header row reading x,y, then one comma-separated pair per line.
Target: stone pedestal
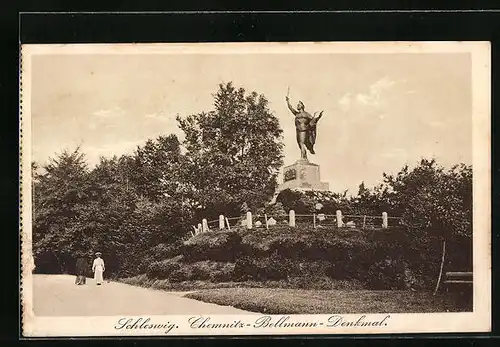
x,y
303,175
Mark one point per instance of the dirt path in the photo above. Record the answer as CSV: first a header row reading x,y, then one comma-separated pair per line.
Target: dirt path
x,y
57,295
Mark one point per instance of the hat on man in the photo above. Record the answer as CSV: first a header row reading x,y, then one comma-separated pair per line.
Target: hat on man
x,y
98,253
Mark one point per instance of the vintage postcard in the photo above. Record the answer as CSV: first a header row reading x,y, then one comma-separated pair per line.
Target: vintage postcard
x,y
255,188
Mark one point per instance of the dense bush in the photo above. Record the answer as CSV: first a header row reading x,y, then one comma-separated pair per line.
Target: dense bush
x,y
397,258
381,259
203,271
217,246
387,274
274,267
176,270
163,269
158,253
180,276
223,273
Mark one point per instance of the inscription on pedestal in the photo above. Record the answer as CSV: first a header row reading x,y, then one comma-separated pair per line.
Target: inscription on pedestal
x,y
302,175
289,175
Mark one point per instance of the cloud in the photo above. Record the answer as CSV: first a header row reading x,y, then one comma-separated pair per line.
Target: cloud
x,y
109,149
382,84
370,98
395,153
161,117
345,102
114,112
157,116
437,123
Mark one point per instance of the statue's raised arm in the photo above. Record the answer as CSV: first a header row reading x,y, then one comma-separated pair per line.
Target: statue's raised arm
x,y
290,107
315,119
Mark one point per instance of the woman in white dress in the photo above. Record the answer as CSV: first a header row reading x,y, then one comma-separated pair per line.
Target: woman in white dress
x,y
98,268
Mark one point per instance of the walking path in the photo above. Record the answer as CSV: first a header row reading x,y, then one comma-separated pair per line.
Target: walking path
x,y
57,295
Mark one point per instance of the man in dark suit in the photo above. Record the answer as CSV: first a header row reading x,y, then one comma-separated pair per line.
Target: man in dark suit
x,y
81,270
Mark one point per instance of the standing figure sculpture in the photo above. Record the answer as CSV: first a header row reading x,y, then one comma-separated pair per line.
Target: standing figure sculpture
x,y
305,126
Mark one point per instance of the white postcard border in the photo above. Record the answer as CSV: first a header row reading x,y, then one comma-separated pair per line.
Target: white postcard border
x,y
477,321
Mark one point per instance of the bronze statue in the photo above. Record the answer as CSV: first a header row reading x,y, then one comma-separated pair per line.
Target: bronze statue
x,y
305,126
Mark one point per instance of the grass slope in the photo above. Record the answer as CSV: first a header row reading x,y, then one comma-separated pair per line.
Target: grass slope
x,y
300,301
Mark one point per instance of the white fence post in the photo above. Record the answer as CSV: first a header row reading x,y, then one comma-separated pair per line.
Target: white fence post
x,y
204,224
338,214
385,220
292,218
200,228
249,220
221,222
228,226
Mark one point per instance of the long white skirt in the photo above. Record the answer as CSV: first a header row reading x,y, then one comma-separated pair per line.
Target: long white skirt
x,y
98,275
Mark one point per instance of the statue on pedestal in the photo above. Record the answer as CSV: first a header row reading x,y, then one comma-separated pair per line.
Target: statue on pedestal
x,y
305,126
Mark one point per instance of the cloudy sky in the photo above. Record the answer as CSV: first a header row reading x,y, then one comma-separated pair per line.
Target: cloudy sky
x,y
381,110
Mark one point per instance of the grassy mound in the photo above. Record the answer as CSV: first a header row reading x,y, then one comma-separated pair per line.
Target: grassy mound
x,y
301,257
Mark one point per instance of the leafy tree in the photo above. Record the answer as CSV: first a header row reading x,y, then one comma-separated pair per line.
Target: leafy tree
x,y
432,198
78,212
233,153
108,221
369,202
244,208
435,203
295,200
59,193
128,222
305,202
155,168
274,210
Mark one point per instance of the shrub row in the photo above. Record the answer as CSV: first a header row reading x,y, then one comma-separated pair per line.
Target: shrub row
x,y
389,259
386,274
176,271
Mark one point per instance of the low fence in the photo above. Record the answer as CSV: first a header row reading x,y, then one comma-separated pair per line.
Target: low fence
x,y
319,220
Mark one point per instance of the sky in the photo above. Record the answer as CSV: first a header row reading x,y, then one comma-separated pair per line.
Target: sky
x,y
381,111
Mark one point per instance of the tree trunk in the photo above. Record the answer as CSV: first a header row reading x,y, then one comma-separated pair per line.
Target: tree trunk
x,y
441,268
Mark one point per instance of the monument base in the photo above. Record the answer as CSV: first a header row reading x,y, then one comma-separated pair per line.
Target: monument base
x,y
303,175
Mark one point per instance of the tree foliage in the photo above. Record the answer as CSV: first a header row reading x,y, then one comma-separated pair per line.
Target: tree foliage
x,y
306,202
431,197
427,197
233,152
127,205
78,211
155,168
60,194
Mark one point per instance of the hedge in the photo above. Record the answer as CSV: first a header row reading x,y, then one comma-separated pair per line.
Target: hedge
x,y
379,259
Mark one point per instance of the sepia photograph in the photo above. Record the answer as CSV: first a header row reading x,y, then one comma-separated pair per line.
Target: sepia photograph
x,y
255,188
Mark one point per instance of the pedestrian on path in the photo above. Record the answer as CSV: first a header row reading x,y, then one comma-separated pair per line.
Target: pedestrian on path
x,y
98,268
81,270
